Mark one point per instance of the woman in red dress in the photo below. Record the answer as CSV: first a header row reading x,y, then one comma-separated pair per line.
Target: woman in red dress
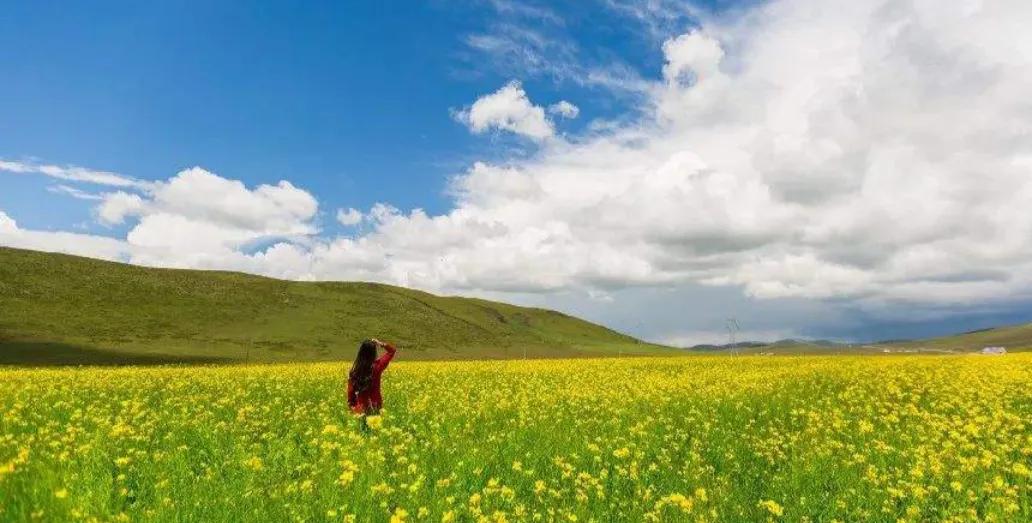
x,y
364,379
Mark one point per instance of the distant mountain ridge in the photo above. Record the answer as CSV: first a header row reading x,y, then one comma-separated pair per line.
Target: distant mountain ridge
x,y
1013,337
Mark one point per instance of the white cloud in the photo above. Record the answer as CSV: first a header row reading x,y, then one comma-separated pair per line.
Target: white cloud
x,y
73,192
81,244
533,50
195,192
196,219
349,217
660,18
71,173
522,9
692,53
817,149
508,109
564,109
526,49
7,224
201,211
117,206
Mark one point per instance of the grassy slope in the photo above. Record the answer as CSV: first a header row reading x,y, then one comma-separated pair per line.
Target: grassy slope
x,y
1014,338
63,309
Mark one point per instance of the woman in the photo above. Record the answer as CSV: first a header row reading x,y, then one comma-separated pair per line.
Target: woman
x,y
364,379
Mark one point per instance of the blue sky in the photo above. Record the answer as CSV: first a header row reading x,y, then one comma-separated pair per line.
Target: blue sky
x,y
350,100
658,166
316,95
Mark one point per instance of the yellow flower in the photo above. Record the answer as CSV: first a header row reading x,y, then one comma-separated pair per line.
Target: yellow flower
x,y
700,494
254,463
61,494
374,422
772,506
399,515
680,500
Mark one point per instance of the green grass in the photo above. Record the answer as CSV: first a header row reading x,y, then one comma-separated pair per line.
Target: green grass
x,y
1015,338
846,438
59,309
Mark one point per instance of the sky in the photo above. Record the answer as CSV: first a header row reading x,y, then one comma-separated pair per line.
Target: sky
x,y
853,170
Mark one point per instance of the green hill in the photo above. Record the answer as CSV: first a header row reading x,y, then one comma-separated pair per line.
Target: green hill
x,y
1016,338
59,309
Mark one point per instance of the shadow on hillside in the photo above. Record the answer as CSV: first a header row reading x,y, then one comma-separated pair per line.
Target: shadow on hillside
x,y
47,354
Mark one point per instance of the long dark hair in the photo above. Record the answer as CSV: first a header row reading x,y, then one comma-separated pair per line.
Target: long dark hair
x,y
361,375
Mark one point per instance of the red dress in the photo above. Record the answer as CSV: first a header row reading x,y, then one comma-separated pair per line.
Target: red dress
x,y
370,400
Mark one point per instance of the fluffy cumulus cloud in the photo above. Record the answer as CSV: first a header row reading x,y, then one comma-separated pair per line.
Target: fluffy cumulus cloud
x,y
117,206
508,109
197,208
194,219
870,151
867,150
200,215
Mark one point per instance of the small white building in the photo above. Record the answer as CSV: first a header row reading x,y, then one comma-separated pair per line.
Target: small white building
x,y
996,351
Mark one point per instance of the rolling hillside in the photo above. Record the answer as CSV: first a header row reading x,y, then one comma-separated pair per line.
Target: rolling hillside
x,y
1015,338
59,309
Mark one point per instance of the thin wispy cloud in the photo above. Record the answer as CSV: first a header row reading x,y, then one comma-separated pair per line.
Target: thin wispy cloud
x,y
74,192
516,44
71,173
660,19
532,12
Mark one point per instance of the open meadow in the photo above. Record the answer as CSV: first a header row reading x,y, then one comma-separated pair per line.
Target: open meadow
x,y
895,438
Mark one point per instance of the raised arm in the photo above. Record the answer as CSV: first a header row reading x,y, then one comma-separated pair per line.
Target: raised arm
x,y
388,355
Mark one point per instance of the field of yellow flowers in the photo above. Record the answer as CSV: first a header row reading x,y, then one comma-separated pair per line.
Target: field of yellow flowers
x,y
894,438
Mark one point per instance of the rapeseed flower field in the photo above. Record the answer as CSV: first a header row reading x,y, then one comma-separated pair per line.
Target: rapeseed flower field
x,y
895,438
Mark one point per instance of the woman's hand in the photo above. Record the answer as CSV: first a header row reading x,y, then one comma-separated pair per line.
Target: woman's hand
x,y
383,345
